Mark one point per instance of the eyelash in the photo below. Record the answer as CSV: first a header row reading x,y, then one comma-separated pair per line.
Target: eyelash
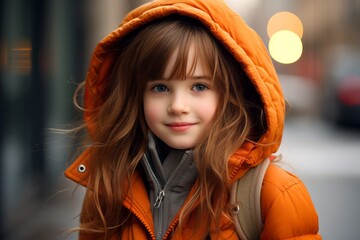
x,y
202,85
155,88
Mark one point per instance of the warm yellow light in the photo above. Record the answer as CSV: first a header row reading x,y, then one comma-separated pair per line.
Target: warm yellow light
x,y
20,59
285,21
285,47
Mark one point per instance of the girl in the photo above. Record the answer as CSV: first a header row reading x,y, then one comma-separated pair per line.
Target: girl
x,y
180,102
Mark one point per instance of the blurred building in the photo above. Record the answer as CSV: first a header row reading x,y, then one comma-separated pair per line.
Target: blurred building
x,y
41,55
328,25
45,47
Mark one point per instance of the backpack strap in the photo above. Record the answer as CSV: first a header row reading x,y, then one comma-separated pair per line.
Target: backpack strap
x,y
246,203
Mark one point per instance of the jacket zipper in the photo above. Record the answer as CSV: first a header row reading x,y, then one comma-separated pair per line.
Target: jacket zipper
x,y
131,208
162,192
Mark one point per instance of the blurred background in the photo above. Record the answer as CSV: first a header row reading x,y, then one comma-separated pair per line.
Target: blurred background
x,y
45,47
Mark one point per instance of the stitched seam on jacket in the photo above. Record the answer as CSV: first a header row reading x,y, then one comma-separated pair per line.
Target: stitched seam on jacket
x,y
283,188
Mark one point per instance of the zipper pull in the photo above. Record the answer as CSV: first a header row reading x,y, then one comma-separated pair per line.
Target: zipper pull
x,y
159,198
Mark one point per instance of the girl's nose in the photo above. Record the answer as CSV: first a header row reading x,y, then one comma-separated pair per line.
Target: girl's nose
x,y
178,105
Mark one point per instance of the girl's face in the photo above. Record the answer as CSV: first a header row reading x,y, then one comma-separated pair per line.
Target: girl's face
x,y
178,111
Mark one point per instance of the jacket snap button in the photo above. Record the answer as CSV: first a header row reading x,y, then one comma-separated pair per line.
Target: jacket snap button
x,y
81,168
235,209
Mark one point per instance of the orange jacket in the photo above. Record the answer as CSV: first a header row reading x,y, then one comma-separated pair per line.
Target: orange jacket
x,y
287,209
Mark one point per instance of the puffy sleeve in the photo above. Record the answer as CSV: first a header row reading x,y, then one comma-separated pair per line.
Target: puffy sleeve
x,y
287,209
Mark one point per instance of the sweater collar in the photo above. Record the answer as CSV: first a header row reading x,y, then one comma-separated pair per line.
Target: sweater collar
x,y
164,159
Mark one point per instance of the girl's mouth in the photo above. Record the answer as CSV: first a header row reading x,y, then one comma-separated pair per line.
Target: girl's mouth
x,y
180,127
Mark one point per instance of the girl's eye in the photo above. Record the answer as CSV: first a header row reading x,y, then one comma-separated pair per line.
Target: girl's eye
x,y
200,87
159,88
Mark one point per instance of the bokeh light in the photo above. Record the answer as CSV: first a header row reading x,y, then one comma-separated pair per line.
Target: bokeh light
x,y
285,47
285,21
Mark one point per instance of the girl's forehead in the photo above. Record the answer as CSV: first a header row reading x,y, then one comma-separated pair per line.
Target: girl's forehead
x,y
186,63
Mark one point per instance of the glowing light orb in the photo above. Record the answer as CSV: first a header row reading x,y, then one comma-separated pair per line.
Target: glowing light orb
x,y
285,21
285,47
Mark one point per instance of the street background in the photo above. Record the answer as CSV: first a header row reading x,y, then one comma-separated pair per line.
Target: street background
x,y
45,47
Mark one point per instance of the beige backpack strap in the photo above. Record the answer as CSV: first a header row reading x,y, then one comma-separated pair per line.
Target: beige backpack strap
x,y
246,202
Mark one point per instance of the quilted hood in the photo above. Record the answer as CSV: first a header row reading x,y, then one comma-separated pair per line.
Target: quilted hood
x,y
237,37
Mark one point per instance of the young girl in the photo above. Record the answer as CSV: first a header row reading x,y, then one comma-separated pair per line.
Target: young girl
x,y
180,101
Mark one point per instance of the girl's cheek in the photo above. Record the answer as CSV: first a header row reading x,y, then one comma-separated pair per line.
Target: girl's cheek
x,y
207,111
152,113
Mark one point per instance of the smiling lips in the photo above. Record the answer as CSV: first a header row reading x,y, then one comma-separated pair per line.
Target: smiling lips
x,y
180,127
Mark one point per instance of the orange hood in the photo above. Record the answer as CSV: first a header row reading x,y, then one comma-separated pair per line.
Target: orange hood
x,y
240,40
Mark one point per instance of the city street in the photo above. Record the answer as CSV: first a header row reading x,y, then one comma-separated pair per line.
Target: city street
x,y
47,52
328,161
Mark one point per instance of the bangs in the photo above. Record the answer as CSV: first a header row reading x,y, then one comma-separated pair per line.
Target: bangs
x,y
203,53
174,36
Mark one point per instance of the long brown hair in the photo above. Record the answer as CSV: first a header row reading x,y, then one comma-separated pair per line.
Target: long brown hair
x,y
120,138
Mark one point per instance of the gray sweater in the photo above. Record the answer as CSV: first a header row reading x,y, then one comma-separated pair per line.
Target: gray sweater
x,y
170,175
